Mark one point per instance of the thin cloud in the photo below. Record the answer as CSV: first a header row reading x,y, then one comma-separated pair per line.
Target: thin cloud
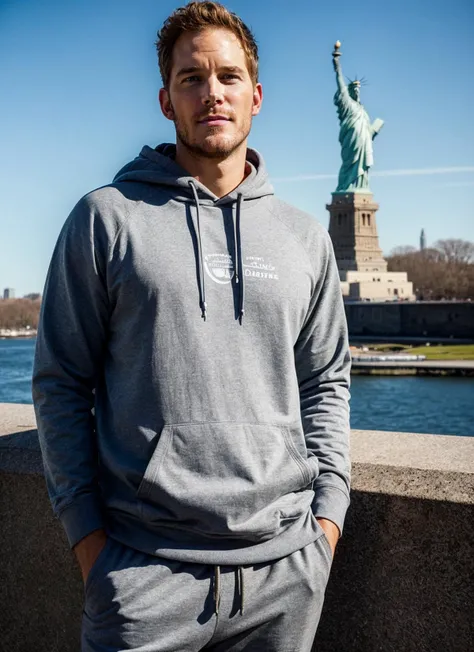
x,y
421,171
383,173
458,184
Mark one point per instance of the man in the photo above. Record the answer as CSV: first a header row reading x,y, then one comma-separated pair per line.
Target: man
x,y
202,318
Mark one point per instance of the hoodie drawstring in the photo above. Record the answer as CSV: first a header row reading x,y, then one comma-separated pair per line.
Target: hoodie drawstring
x,y
238,262
217,588
202,285
239,271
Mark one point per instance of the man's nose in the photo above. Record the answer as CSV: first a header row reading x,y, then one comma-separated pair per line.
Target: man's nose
x,y
213,93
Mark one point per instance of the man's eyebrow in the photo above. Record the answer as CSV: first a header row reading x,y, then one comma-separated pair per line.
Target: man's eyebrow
x,y
231,69
187,70
193,69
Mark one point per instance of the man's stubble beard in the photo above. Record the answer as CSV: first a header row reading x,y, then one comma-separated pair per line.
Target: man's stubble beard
x,y
217,152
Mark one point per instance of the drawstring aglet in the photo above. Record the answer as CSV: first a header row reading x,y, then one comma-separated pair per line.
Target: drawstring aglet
x,y
204,311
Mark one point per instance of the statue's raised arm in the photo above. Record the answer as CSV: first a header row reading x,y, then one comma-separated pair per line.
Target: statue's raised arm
x,y
341,84
356,132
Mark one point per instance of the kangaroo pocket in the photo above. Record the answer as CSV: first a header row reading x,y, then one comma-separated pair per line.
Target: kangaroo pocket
x,y
227,480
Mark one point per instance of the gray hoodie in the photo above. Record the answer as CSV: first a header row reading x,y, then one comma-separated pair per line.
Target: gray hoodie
x,y
209,334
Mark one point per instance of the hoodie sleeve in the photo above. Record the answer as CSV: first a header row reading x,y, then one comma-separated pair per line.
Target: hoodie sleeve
x,y
323,369
69,351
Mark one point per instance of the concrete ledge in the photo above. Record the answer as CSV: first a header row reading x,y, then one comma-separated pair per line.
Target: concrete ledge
x,y
402,579
19,447
16,417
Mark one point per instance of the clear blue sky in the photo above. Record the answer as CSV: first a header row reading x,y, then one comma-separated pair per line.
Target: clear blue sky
x,y
79,81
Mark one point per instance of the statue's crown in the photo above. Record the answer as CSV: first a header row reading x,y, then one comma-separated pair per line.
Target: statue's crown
x,y
357,82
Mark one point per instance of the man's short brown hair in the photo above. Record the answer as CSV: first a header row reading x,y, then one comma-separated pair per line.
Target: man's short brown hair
x,y
195,17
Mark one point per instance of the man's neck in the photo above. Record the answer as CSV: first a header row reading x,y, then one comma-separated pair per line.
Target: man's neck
x,y
220,176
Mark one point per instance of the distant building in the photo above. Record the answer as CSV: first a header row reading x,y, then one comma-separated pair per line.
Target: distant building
x,y
34,296
8,293
422,240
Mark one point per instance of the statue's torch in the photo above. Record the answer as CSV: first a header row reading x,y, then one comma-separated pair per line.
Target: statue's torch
x,y
336,52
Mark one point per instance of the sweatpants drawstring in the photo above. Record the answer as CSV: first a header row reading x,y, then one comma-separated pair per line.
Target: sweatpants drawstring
x,y
217,588
240,576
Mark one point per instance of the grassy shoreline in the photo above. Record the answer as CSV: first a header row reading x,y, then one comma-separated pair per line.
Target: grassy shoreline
x,y
439,352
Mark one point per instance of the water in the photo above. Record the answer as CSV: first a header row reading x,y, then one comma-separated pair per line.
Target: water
x,y
431,404
403,403
16,365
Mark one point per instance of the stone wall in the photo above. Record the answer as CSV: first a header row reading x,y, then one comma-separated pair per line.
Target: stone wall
x,y
402,579
430,319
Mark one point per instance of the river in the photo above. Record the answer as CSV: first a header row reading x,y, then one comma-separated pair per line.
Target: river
x,y
436,405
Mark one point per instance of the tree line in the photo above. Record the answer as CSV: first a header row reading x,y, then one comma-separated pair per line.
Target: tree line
x,y
443,271
19,313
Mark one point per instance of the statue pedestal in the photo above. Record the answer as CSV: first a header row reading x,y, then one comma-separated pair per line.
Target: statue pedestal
x,y
353,230
362,268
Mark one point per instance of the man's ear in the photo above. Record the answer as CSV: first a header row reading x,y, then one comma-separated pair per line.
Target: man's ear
x,y
257,99
165,104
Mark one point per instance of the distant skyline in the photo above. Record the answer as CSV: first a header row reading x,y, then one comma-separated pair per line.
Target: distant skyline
x,y
80,82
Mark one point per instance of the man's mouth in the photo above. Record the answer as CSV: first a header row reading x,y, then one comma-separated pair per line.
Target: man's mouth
x,y
214,120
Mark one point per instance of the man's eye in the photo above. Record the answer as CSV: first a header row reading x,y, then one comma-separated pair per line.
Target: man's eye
x,y
192,78
229,75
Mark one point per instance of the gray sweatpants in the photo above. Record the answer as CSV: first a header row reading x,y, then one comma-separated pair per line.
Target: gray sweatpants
x,y
135,601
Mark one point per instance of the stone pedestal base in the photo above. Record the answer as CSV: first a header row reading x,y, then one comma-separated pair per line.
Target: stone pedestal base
x,y
376,286
362,268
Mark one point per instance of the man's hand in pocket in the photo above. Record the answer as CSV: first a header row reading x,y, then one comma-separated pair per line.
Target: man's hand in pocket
x,y
331,531
88,549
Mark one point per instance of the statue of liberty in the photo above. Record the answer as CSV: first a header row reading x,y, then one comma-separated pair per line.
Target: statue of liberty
x,y
355,135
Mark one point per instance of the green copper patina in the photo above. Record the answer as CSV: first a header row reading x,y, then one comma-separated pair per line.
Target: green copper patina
x,y
356,133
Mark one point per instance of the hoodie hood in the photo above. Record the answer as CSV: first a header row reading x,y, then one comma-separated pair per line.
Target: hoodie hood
x,y
158,166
